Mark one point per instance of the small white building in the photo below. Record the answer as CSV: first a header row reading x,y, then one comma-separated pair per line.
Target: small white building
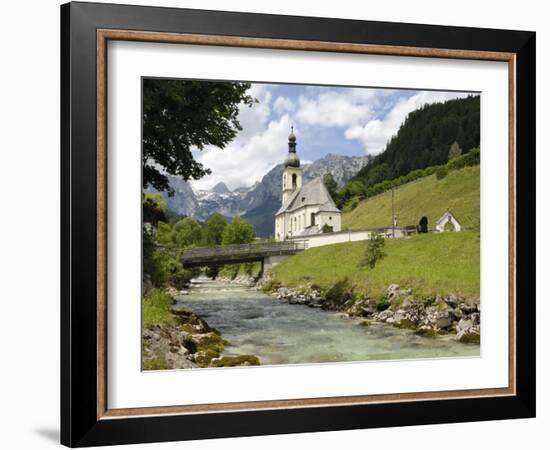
x,y
448,220
305,209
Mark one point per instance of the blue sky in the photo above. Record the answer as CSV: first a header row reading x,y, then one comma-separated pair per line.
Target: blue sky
x,y
340,120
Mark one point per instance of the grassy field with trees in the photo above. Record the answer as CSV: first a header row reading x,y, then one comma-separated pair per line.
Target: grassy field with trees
x,y
430,264
458,190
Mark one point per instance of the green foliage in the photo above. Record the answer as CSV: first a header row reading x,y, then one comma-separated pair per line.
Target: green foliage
x,y
179,115
187,232
441,172
374,251
233,361
454,151
166,269
424,139
158,363
232,271
459,191
351,204
239,231
164,234
352,189
340,292
154,208
327,228
472,158
156,308
430,264
382,304
213,231
331,185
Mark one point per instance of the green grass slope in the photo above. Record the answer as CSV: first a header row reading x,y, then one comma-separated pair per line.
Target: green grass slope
x,y
435,263
428,196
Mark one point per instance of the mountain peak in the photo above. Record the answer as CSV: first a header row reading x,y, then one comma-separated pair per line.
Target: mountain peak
x,y
220,188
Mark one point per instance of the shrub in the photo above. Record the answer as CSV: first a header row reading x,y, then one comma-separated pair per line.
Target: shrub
x,y
156,308
382,304
455,151
374,252
351,204
340,292
441,173
472,158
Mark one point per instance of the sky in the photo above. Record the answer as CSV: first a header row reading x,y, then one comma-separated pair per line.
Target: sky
x,y
340,120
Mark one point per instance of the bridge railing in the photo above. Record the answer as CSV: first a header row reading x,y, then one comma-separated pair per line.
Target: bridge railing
x,y
243,250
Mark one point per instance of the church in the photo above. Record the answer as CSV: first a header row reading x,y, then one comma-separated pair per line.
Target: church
x,y
306,209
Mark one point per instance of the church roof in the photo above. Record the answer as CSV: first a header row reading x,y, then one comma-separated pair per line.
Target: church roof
x,y
313,193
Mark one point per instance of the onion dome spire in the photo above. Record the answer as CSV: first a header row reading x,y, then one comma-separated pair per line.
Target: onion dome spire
x,y
292,159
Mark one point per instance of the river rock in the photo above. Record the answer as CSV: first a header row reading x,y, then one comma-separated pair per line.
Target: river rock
x,y
391,291
463,324
467,309
452,301
444,322
470,336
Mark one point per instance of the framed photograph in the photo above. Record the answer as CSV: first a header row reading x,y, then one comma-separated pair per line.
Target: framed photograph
x,y
276,224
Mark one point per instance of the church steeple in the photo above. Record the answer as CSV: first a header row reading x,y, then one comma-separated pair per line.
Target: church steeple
x,y
292,173
292,159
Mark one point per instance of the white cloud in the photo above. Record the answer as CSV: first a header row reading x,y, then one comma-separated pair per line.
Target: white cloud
x,y
375,133
246,161
283,104
332,108
263,141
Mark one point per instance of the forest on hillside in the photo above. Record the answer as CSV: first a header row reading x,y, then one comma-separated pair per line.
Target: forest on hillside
x,y
423,140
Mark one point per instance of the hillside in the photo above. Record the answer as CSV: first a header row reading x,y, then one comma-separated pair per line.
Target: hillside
x,y
459,191
435,263
424,139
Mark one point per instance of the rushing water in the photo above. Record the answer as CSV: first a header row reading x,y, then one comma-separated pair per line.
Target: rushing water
x,y
280,333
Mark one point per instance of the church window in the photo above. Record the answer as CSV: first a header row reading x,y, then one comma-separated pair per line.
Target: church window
x,y
293,181
312,219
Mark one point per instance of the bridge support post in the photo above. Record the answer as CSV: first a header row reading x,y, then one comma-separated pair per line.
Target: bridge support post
x,y
271,261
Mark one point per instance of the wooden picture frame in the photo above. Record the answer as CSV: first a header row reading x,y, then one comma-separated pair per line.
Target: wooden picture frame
x,y
86,418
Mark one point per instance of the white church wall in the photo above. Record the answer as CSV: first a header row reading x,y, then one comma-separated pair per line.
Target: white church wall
x,y
319,240
330,219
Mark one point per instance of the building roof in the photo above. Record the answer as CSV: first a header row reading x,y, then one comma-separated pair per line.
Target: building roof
x,y
445,217
313,193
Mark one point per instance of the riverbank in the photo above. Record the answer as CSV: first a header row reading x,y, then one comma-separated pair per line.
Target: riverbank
x,y
176,338
426,283
426,316
279,332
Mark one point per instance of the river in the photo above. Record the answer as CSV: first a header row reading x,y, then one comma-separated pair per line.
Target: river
x,y
280,333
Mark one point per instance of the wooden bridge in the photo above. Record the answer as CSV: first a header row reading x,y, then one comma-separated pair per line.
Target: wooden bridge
x,y
269,253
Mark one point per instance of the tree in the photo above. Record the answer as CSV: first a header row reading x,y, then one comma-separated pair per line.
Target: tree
x,y
182,115
213,231
374,251
331,185
154,208
186,232
239,231
441,172
454,151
